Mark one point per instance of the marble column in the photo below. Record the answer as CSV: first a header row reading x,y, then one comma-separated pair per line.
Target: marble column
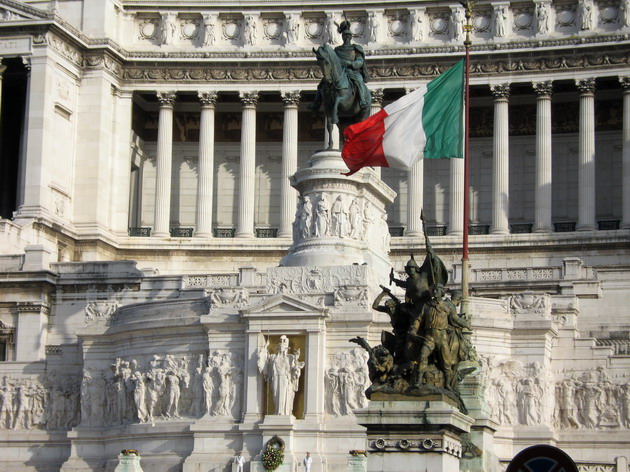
x,y
415,198
2,70
625,183
206,165
247,187
164,163
500,161
586,155
415,194
456,198
288,195
376,106
542,197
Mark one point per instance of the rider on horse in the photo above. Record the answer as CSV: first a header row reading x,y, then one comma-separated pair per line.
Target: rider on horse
x,y
352,57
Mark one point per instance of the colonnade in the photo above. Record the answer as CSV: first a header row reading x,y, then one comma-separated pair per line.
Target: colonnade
x,y
500,169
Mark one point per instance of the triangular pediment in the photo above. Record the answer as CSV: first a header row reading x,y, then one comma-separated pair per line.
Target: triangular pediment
x,y
14,11
282,304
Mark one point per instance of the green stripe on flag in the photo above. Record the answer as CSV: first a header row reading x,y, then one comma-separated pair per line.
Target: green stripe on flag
x,y
443,114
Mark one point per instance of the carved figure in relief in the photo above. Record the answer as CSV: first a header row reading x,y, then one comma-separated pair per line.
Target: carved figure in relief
x,y
356,221
625,404
173,393
507,401
209,35
542,18
306,218
346,378
283,371
585,14
251,30
139,392
530,395
322,217
22,409
339,218
568,408
156,385
500,19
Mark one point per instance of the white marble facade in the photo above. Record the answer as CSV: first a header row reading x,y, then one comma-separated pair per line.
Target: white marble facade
x,y
144,117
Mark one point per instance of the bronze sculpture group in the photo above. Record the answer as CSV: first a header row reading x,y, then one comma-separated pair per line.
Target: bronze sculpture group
x,y
429,349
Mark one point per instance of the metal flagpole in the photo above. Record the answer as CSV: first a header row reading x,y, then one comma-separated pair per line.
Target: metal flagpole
x,y
468,5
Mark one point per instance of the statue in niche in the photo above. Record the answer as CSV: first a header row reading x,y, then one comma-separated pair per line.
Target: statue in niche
x,y
416,26
625,9
457,20
429,350
209,35
283,371
374,25
585,14
500,19
251,30
293,29
343,90
168,29
542,18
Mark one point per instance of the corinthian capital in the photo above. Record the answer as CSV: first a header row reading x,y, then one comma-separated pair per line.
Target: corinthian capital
x,y
249,98
208,98
585,86
543,89
166,99
500,91
291,97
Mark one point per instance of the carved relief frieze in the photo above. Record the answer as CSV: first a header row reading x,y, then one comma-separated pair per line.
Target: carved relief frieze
x,y
100,311
65,49
235,298
313,279
347,379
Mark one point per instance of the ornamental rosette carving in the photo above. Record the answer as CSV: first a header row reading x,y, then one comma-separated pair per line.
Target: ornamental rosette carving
x,y
291,98
543,89
249,98
166,98
208,98
500,91
585,86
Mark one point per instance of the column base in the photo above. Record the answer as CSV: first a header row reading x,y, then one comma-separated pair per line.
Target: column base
x,y
585,228
542,229
204,235
160,234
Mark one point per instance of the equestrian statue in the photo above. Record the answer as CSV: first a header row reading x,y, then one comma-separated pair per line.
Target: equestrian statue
x,y
343,92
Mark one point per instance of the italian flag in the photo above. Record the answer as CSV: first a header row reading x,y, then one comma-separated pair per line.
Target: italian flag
x,y
426,123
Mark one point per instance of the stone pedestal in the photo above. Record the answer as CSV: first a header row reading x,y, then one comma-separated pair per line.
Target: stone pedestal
x,y
128,463
414,434
340,220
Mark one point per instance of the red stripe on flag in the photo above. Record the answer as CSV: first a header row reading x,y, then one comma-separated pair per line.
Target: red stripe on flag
x,y
364,143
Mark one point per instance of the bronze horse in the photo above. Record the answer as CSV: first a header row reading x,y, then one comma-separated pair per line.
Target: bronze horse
x,y
339,95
